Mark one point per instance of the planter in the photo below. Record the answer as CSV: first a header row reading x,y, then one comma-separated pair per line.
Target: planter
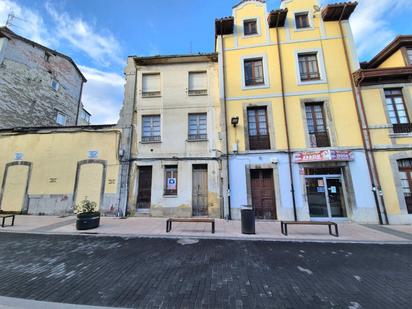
x,y
87,221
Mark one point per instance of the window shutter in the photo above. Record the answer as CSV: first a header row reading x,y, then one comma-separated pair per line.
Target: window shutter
x,y
197,81
151,83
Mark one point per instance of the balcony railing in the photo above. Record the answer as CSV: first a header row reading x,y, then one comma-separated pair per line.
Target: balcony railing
x,y
260,142
319,139
402,128
147,139
197,137
149,94
193,92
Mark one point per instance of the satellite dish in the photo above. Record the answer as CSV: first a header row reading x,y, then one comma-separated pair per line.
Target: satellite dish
x,y
316,8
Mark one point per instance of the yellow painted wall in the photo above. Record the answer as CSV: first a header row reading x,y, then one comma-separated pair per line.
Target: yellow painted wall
x,y
335,88
89,185
14,190
394,61
54,157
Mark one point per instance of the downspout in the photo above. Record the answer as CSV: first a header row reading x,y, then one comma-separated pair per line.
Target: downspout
x,y
79,103
292,186
222,46
371,167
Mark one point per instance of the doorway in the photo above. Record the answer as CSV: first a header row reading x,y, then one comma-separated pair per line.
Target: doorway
x,y
144,194
263,193
199,190
325,194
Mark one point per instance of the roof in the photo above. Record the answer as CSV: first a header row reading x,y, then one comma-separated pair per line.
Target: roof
x,y
6,32
243,1
277,18
338,11
224,25
174,59
389,50
370,77
57,128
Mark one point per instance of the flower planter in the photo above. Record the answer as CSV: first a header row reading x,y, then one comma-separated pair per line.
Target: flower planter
x,y
87,221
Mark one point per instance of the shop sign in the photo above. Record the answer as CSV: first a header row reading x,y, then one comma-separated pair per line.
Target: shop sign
x,y
323,155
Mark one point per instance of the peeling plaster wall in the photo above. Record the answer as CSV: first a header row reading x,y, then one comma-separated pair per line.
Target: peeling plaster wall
x,y
26,95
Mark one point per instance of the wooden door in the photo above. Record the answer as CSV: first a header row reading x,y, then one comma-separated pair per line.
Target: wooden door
x,y
144,195
199,190
263,193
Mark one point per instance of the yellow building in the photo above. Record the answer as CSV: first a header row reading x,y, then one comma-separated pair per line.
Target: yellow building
x,y
50,170
294,140
384,88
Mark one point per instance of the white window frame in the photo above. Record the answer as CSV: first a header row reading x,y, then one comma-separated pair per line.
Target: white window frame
x,y
59,113
321,66
256,18
265,71
145,94
310,18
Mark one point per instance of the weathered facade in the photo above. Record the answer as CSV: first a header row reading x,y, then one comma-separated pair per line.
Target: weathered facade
x,y
384,89
38,86
295,145
50,170
177,152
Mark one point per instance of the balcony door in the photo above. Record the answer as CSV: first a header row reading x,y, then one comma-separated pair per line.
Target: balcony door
x,y
258,128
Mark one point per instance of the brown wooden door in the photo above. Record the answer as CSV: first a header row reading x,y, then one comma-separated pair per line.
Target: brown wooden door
x,y
199,190
263,193
144,194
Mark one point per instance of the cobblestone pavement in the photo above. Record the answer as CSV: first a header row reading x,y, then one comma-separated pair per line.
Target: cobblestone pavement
x,y
165,273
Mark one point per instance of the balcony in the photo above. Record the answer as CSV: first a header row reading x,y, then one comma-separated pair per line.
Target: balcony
x,y
261,142
402,128
150,139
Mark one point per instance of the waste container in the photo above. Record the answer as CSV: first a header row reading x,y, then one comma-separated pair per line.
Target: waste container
x,y
247,215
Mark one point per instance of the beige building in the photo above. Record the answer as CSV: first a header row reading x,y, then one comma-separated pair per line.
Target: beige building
x,y
177,161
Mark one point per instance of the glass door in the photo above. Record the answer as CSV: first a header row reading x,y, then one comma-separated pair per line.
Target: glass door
x,y
315,190
335,197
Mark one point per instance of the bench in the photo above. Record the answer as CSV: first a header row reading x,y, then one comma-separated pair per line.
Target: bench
x,y
7,216
190,220
284,226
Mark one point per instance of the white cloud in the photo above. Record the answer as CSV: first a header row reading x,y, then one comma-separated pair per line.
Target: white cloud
x,y
27,22
103,48
102,94
371,24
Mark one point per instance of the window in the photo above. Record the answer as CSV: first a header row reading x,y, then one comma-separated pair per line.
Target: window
x,y
258,128
151,128
254,72
315,119
197,127
302,20
61,119
395,106
85,116
409,53
197,83
55,84
308,67
151,85
250,27
170,180
405,171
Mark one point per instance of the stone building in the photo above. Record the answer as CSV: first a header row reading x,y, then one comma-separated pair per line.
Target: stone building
x,y
177,142
38,86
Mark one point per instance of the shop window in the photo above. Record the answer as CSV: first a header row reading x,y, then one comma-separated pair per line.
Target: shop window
x,y
405,171
250,27
197,83
302,20
151,128
197,127
258,128
151,85
398,116
308,66
254,73
170,180
315,119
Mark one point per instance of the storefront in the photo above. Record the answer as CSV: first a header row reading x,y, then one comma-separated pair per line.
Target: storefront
x,y
326,178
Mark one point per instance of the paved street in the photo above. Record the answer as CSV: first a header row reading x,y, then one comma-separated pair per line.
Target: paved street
x,y
162,273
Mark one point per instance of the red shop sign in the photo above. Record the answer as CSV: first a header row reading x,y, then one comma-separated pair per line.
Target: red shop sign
x,y
323,155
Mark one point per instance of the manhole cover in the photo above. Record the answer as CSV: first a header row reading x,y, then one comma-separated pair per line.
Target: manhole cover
x,y
187,241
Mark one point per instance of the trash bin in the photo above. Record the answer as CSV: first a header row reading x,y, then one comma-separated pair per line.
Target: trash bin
x,y
247,215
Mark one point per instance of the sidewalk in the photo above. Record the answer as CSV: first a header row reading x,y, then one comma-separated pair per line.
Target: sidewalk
x,y
265,230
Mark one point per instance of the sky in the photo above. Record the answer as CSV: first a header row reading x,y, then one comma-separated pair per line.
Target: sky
x,y
100,34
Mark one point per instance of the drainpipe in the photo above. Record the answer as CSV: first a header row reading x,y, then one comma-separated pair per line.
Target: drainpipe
x,y
363,125
79,103
222,46
292,186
